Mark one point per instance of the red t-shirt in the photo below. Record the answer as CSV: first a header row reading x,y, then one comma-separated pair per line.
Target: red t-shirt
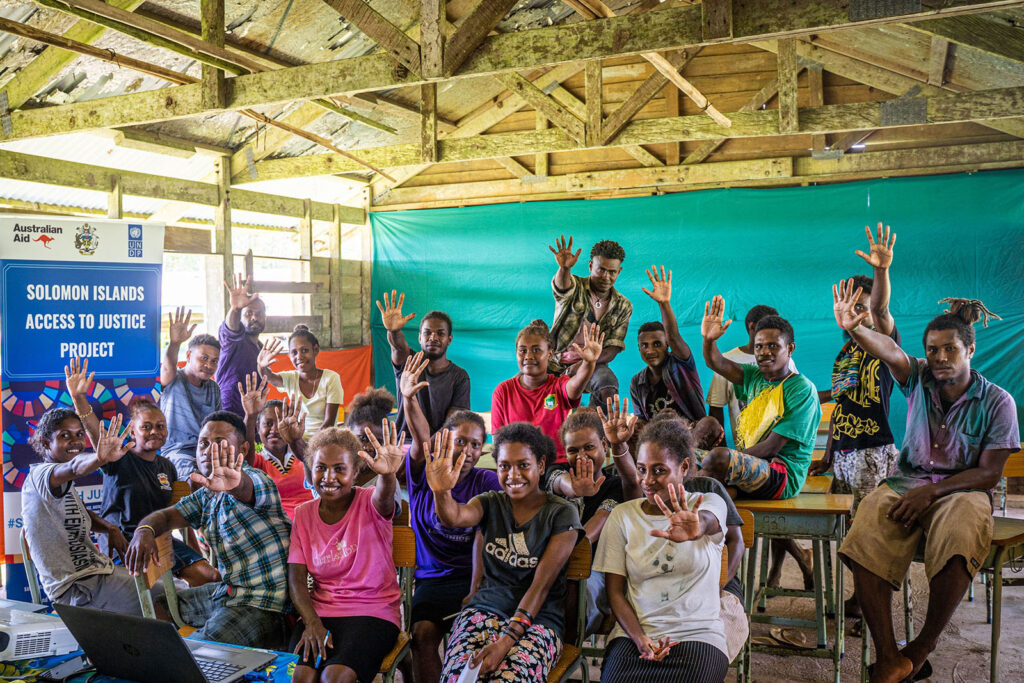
x,y
546,406
291,483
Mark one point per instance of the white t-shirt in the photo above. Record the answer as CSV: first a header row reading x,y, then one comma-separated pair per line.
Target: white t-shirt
x,y
328,391
721,392
673,587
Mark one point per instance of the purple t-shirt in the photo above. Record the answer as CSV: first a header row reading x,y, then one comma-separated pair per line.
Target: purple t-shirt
x,y
443,551
237,359
939,442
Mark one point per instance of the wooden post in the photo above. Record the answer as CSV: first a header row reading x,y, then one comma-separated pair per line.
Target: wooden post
x,y
115,198
432,38
540,164
788,122
428,123
592,80
817,98
214,91
220,269
306,231
334,250
366,273
672,109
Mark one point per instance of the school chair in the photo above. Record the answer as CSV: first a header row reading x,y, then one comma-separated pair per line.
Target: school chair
x,y
742,661
577,572
403,551
161,573
30,571
402,518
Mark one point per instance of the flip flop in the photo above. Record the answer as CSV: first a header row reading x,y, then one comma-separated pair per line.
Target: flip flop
x,y
924,672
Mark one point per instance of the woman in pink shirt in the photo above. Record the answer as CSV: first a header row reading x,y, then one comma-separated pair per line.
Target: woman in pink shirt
x,y
351,617
542,399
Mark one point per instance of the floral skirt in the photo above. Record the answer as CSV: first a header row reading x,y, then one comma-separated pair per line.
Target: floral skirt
x,y
529,660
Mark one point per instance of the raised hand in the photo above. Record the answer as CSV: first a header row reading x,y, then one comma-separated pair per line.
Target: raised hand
x,y
110,448
391,312
254,394
880,252
581,478
291,419
844,302
619,425
414,367
225,469
661,288
564,254
77,377
593,343
179,330
388,457
442,467
684,524
268,352
712,327
238,288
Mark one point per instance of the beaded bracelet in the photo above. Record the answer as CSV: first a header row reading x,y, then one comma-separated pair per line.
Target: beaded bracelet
x,y
526,623
82,416
524,613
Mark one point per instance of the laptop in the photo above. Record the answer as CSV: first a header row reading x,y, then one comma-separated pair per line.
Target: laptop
x,y
152,651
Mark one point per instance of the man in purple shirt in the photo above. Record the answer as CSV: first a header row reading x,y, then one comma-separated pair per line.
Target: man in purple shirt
x,y
960,430
239,341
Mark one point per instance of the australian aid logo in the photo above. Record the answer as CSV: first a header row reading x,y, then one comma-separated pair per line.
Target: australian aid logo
x,y
40,234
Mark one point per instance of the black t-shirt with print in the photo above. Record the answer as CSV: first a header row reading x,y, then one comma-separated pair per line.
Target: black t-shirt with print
x,y
861,417
659,399
512,553
133,488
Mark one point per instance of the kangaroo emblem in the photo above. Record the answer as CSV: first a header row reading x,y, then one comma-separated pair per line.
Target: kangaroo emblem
x,y
45,239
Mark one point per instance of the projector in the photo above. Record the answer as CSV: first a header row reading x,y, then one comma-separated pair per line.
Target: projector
x,y
27,635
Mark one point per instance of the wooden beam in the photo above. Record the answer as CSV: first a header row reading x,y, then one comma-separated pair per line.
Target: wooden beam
x,y
555,112
662,64
540,163
306,230
334,288
214,92
988,33
816,99
428,123
783,171
760,98
716,19
672,110
513,166
396,108
115,199
162,143
618,119
937,61
473,31
788,71
222,237
844,142
44,67
592,86
380,30
668,29
976,106
642,155
432,38
885,79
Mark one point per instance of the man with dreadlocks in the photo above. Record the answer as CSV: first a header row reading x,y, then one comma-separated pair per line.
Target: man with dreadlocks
x,y
960,430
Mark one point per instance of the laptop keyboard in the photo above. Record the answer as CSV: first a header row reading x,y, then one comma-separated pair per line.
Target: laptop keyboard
x,y
215,670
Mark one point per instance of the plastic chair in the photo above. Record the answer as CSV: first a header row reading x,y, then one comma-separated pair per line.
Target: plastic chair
x,y
30,571
162,572
577,571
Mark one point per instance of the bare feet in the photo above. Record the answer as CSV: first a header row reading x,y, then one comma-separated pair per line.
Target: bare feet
x,y
917,653
891,670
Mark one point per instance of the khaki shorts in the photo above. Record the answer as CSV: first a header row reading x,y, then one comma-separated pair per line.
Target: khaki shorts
x,y
737,626
959,524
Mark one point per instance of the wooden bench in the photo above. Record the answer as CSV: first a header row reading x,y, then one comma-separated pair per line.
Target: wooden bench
x,y
820,518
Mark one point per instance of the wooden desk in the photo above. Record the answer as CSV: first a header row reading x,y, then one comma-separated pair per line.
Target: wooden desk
x,y
821,518
818,483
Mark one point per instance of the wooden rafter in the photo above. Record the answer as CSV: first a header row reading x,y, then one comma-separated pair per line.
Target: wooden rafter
x,y
214,93
760,98
937,54
816,98
990,34
380,30
653,84
788,71
393,107
473,31
592,86
674,28
428,123
846,141
976,106
432,38
545,104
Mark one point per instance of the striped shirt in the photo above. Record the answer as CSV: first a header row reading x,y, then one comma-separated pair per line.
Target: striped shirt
x,y
250,543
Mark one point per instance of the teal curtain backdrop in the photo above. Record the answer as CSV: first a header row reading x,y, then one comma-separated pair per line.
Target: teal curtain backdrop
x,y
490,269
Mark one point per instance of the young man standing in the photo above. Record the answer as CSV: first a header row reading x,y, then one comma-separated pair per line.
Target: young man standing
x,y
721,393
961,428
240,345
670,379
860,445
238,510
592,299
448,384
188,394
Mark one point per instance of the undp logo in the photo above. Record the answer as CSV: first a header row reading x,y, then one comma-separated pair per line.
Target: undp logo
x,y
134,241
135,232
